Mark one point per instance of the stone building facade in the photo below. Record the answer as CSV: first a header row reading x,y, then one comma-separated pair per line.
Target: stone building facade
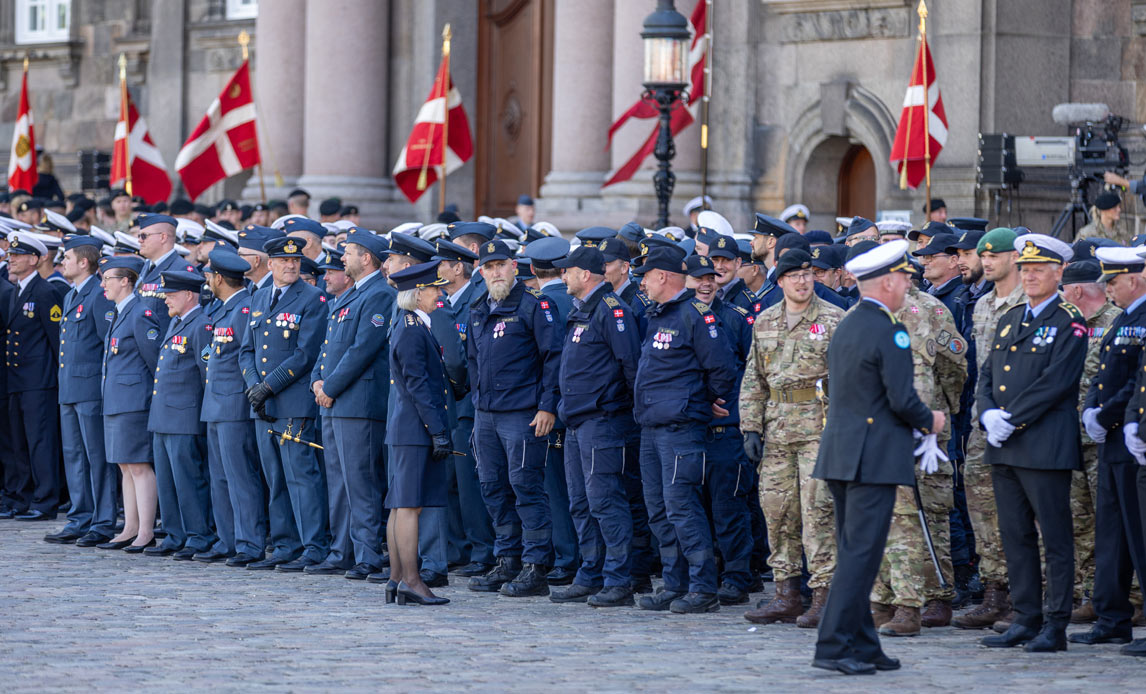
x,y
806,95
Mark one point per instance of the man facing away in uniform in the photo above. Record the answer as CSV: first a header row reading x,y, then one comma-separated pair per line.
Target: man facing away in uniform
x,y
867,450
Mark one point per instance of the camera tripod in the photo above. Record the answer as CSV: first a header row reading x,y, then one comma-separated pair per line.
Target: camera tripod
x,y
1077,206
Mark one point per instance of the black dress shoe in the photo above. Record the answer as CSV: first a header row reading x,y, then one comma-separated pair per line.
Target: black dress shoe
x,y
242,559
504,571
116,545
324,569
359,572
433,579
1137,647
1017,635
297,566
92,540
406,596
476,568
613,596
185,554
642,584
885,662
391,591
138,549
380,576
1101,634
35,515
266,564
847,666
560,576
731,595
212,556
1051,638
163,550
64,537
573,593
756,585
695,603
531,582
659,601
7,514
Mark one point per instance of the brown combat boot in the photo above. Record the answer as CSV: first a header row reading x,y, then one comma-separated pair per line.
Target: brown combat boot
x,y
936,613
811,618
785,607
905,623
996,604
881,614
1083,613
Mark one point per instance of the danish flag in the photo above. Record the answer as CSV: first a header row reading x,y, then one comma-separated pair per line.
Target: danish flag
x,y
149,178
225,142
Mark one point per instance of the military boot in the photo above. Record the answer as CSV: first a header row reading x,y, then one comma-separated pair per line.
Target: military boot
x,y
963,574
530,582
996,604
785,607
905,623
1083,612
936,613
811,618
502,572
881,613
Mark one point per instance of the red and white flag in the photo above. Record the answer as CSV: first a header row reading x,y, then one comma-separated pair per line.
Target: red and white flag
x,y
22,172
149,178
419,163
682,117
912,154
225,141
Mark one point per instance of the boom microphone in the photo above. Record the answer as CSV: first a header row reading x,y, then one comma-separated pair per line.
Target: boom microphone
x,y
1069,114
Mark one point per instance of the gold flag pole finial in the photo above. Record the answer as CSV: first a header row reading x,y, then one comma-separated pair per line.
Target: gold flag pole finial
x,y
244,39
25,61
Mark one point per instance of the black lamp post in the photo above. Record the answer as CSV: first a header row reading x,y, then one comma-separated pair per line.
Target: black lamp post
x,y
666,36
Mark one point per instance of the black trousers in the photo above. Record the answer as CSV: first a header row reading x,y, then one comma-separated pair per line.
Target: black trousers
x,y
1118,544
863,516
32,476
1025,497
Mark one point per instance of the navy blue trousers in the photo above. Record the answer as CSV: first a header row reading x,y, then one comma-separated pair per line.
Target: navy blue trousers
x,y
233,445
184,490
598,501
565,554
31,476
355,466
297,482
91,481
476,539
727,482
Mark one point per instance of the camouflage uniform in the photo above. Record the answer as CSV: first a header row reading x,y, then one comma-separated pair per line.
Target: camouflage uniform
x,y
976,473
1084,485
1121,232
778,400
907,576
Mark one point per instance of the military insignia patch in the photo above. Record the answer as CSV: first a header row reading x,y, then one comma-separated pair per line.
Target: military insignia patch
x,y
611,302
943,338
377,320
710,319
618,313
957,346
55,314
152,334
206,353
902,340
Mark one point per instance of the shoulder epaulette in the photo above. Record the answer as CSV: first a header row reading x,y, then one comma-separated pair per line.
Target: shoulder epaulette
x,y
611,302
537,293
411,320
701,307
1071,309
742,311
645,301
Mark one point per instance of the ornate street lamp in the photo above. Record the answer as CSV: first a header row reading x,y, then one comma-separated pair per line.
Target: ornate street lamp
x,y
666,38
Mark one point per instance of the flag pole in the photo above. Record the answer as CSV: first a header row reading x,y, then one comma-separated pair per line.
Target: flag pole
x,y
244,40
125,110
704,103
446,36
922,12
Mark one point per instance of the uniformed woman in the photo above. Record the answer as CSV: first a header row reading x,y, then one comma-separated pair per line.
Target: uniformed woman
x,y
418,430
130,353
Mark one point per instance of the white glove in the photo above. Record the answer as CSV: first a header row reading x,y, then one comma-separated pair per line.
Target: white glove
x,y
1135,445
1093,429
929,453
998,430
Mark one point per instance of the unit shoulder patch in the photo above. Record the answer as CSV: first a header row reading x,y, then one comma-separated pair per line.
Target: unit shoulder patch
x,y
611,302
700,306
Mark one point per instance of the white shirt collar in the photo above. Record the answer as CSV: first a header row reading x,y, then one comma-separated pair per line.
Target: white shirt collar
x,y
23,284
358,284
423,315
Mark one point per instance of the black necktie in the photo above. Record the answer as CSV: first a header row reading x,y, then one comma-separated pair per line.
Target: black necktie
x,y
1029,316
275,298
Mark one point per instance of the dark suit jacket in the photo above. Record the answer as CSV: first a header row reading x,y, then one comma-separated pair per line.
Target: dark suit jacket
x,y
33,337
1114,383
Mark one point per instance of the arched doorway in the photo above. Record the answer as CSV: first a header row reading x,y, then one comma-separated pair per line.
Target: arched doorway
x,y
856,184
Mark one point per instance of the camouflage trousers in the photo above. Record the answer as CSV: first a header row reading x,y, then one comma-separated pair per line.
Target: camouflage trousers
x,y
798,512
1083,497
980,490
906,575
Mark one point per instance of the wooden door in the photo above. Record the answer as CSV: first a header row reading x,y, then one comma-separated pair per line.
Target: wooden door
x,y
515,78
857,184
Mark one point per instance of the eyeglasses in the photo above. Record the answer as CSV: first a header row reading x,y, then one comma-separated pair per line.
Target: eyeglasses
x,y
144,236
800,276
853,240
115,277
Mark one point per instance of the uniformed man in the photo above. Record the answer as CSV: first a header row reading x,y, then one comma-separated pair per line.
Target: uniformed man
x,y
783,402
514,359
251,242
765,232
277,354
178,435
997,255
728,477
1081,287
157,246
598,366
232,451
941,270
1119,550
1027,402
309,232
694,207
860,230
476,536
471,235
773,295
865,452
32,474
685,368
1106,215
350,382
725,256
796,216
334,273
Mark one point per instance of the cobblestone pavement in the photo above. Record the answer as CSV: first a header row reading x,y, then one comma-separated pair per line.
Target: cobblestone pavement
x,y
86,619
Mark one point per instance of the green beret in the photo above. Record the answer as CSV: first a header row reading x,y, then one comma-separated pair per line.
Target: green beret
x,y
998,240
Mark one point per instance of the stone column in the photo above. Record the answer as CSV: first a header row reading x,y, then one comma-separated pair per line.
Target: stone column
x,y
166,73
278,62
346,104
582,111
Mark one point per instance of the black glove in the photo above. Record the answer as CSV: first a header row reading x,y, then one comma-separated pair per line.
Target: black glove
x,y
261,411
442,446
257,395
753,447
